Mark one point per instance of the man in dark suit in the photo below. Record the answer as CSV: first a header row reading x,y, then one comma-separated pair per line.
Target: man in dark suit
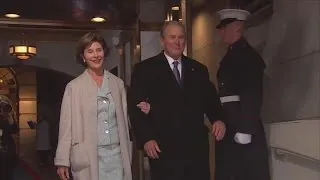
x,y
168,98
242,154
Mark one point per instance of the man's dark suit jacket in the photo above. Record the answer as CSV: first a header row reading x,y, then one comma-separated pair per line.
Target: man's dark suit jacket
x,y
176,118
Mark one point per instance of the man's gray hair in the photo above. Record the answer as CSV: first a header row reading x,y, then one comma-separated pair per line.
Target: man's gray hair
x,y
169,23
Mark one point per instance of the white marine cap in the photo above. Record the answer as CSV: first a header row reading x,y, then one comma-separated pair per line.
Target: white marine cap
x,y
228,16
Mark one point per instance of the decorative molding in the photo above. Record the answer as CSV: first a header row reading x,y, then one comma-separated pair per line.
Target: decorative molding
x,y
42,35
47,24
150,26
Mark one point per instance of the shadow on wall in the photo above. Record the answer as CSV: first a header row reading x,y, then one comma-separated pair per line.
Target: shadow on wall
x,y
280,81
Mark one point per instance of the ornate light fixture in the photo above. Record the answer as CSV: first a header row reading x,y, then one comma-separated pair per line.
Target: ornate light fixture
x,y
23,51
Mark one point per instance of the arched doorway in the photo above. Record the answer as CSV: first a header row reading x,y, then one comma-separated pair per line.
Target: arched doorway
x,y
40,92
32,90
9,92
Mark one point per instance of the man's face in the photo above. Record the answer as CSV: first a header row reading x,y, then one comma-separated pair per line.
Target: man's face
x,y
173,41
227,33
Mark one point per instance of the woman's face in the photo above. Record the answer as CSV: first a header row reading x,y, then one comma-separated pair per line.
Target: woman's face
x,y
94,56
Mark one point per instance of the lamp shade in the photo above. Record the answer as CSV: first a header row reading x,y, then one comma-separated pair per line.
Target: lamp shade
x,y
22,52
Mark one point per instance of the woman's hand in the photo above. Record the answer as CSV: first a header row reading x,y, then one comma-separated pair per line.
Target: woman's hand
x,y
144,107
63,172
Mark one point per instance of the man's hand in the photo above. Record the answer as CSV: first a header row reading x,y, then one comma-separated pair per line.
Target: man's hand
x,y
152,149
218,130
144,107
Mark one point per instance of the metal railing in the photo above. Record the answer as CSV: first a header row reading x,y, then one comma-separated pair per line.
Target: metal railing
x,y
287,155
281,154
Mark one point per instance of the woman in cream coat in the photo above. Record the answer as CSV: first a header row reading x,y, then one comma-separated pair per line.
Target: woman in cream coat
x,y
94,134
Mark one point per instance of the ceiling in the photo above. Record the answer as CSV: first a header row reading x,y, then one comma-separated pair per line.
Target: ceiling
x,y
116,12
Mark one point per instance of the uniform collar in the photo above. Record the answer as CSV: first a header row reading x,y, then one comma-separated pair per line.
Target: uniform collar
x,y
242,42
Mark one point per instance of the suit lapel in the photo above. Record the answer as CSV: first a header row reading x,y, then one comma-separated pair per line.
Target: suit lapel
x,y
187,70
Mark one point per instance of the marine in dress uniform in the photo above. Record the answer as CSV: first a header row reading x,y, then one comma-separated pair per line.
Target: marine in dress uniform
x,y
243,153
